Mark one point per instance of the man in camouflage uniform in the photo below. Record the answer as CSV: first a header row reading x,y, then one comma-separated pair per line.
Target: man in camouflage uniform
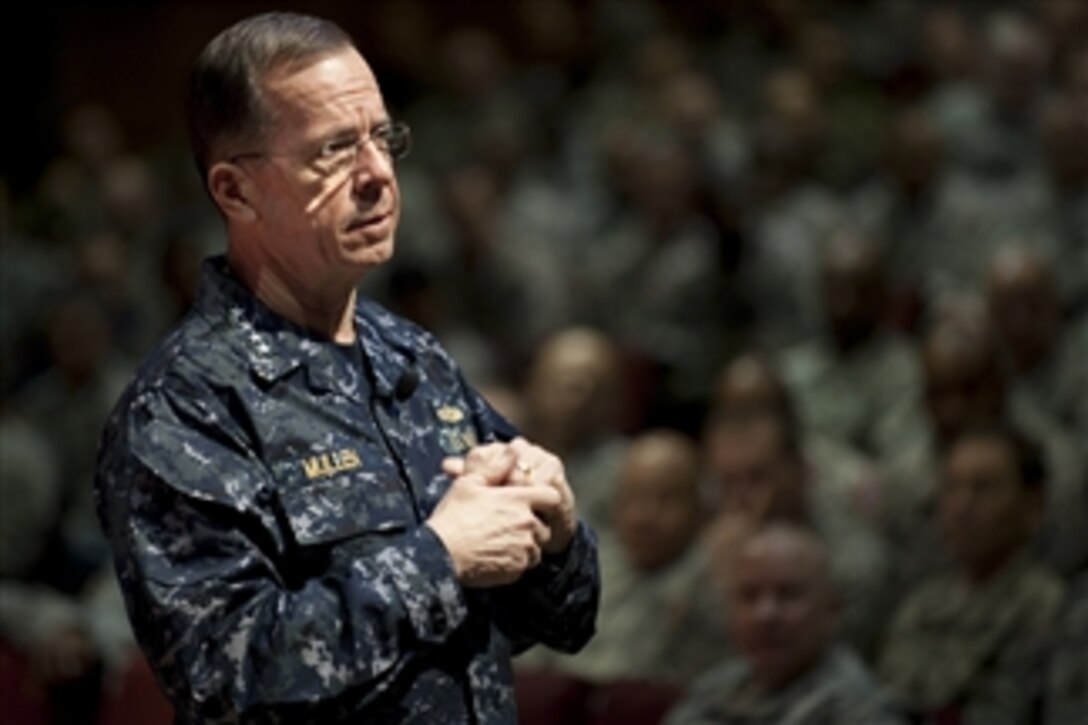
x,y
314,519
782,616
860,382
970,644
1046,354
841,477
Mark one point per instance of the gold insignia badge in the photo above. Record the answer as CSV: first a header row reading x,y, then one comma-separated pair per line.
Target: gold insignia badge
x,y
450,414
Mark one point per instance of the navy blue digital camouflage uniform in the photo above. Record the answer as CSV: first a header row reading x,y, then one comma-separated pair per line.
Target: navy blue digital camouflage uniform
x,y
264,495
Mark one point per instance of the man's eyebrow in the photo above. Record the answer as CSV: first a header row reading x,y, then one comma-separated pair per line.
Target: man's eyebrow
x,y
338,133
350,130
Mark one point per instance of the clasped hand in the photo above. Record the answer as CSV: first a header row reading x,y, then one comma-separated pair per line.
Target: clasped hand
x,y
509,504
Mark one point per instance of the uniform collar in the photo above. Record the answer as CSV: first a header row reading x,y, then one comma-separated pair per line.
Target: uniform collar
x,y
387,347
274,346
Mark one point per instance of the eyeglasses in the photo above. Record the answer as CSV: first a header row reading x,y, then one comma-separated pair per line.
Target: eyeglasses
x,y
341,155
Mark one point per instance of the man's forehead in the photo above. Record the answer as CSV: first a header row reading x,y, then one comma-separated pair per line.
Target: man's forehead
x,y
783,550
341,80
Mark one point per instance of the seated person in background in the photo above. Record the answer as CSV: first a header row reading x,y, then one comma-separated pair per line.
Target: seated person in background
x,y
1046,356
756,463
783,615
1067,681
658,619
970,643
966,385
841,476
859,382
571,403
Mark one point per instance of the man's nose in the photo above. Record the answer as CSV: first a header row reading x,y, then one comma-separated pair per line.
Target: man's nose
x,y
372,162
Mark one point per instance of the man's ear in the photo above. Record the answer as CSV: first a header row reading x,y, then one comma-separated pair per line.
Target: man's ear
x,y
233,191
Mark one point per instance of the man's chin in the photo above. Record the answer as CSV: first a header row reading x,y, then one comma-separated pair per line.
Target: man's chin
x,y
368,252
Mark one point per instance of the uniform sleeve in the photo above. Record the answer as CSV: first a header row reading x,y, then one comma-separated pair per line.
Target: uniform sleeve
x,y
556,603
214,604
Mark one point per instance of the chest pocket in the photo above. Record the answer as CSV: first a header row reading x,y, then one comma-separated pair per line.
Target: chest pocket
x,y
346,505
363,504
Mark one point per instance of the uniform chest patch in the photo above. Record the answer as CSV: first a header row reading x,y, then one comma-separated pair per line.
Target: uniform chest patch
x,y
450,414
455,432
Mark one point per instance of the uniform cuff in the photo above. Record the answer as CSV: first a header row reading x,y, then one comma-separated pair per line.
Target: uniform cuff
x,y
423,574
555,570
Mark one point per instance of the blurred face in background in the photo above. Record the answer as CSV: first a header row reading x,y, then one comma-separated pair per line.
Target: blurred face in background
x,y
782,609
656,508
1024,305
915,152
1014,63
949,49
756,477
571,390
964,384
853,289
985,511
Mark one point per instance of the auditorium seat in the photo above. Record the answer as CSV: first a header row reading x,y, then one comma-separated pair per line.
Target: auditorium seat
x,y
138,700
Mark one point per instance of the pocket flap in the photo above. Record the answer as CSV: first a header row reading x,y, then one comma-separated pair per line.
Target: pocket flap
x,y
345,506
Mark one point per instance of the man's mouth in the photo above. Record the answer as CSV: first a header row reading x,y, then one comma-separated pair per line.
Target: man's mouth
x,y
366,222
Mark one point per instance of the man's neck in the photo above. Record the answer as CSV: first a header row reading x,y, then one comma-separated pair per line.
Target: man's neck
x,y
326,309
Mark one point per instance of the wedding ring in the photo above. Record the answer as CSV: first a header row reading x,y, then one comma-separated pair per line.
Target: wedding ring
x,y
524,467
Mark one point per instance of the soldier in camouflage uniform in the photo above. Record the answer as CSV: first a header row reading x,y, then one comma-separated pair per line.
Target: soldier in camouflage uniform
x,y
1045,353
314,519
840,476
860,382
782,615
970,644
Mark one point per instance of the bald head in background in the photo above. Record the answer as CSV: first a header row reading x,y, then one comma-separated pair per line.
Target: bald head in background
x,y
782,606
571,391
